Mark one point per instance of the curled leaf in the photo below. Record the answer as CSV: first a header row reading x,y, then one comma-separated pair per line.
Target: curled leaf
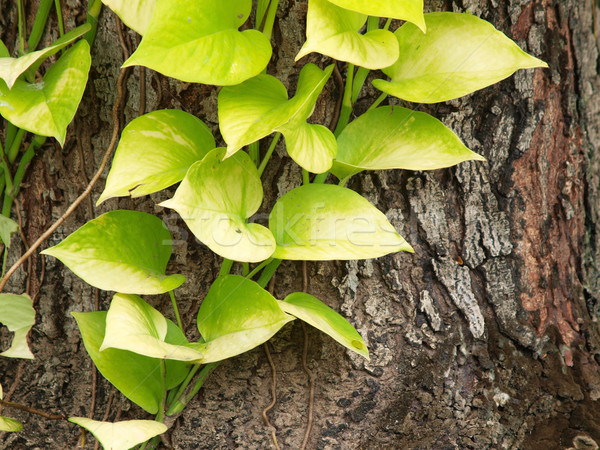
x,y
260,106
333,31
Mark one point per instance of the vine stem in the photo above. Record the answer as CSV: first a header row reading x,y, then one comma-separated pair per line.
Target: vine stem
x,y
85,193
31,410
265,160
176,309
61,27
346,102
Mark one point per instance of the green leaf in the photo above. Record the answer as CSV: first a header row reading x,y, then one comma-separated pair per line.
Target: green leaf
x,y
17,314
155,151
215,199
137,377
134,325
333,31
4,53
459,54
13,68
10,425
121,435
392,137
136,14
7,228
316,313
256,108
409,10
123,251
200,42
236,316
47,108
324,222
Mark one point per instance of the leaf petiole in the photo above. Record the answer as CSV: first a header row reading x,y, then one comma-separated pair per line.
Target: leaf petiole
x,y
176,309
265,160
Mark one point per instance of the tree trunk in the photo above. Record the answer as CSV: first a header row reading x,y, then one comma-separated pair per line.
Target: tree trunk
x,y
486,337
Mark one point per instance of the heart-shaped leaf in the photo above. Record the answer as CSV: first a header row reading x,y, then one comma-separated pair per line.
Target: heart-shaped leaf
x,y
121,435
325,222
316,313
10,425
392,137
136,14
17,314
236,316
48,107
155,151
459,54
7,228
200,42
333,31
134,325
215,198
258,107
123,251
138,377
13,68
409,10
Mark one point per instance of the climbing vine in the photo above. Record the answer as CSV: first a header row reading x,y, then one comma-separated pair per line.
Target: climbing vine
x,y
429,58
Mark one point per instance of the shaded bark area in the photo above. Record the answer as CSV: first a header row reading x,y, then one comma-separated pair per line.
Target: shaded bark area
x,y
486,337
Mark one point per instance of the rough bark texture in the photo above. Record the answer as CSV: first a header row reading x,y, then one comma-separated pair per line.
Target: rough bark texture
x,y
486,337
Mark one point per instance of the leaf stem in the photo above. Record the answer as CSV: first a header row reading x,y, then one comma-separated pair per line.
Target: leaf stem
x,y
268,272
13,151
270,150
377,102
41,17
245,269
346,102
225,267
21,26
61,27
254,152
176,309
259,267
320,178
305,177
94,8
186,397
270,19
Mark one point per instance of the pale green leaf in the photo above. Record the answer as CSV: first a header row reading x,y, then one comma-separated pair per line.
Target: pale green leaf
x,y
326,222
7,228
121,435
13,68
459,54
200,42
47,108
216,198
333,31
10,425
134,325
138,377
409,10
392,137
123,251
316,313
136,14
236,316
17,314
260,106
155,151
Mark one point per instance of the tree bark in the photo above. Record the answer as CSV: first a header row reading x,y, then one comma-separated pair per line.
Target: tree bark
x,y
486,337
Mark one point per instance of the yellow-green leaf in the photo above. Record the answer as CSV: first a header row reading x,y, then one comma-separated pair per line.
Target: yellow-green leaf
x,y
121,435
459,54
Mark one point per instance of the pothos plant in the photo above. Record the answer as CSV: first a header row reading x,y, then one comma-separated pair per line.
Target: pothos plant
x,y
429,58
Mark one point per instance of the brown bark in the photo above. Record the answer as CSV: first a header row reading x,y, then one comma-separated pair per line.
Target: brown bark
x,y
486,337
